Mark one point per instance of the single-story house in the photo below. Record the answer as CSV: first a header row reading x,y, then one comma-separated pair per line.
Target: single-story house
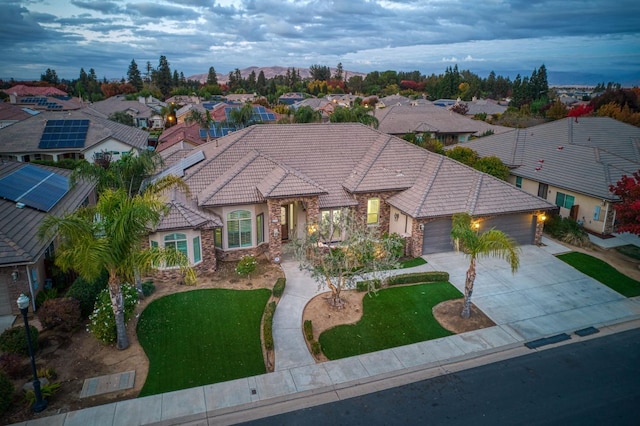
x,y
28,193
255,189
442,124
70,134
185,135
10,114
143,116
570,162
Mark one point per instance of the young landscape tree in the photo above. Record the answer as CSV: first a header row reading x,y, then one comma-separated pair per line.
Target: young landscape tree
x,y
628,209
108,236
480,244
361,253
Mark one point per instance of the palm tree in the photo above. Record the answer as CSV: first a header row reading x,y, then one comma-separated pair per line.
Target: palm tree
x,y
241,117
306,114
474,244
357,114
203,120
108,236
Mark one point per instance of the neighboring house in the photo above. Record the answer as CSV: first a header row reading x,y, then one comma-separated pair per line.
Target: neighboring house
x,y
28,193
570,162
446,126
183,100
22,90
485,106
143,116
241,98
184,135
323,105
71,134
291,98
222,122
10,114
256,189
392,100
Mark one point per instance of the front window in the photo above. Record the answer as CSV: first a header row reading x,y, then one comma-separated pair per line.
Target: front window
x,y
542,190
332,225
178,242
239,229
518,181
260,228
373,210
197,253
564,200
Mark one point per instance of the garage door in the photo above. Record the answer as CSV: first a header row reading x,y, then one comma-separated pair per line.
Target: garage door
x,y
437,236
520,227
5,301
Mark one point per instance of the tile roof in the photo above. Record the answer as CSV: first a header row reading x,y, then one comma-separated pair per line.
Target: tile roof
x,y
24,136
338,160
596,152
22,90
19,243
12,112
120,104
487,106
402,119
183,132
180,216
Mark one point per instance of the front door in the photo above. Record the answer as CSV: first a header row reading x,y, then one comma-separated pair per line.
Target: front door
x,y
284,222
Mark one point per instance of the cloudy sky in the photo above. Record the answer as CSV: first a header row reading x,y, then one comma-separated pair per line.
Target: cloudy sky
x,y
596,40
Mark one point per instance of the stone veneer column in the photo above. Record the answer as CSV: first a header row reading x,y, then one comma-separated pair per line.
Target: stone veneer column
x,y
274,229
416,239
208,251
537,239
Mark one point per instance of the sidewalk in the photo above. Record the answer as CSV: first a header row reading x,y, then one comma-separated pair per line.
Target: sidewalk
x,y
544,298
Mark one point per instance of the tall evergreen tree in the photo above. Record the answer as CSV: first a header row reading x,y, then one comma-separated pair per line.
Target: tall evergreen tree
x,y
339,72
162,77
261,84
133,74
212,77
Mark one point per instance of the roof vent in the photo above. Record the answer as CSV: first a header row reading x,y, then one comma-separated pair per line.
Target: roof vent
x,y
20,205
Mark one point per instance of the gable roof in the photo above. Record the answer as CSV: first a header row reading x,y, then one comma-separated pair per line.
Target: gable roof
x,y
121,104
23,90
182,132
9,112
179,215
584,155
24,136
403,119
19,243
336,161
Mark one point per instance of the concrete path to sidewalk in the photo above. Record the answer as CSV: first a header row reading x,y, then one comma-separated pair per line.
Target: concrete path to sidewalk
x,y
544,298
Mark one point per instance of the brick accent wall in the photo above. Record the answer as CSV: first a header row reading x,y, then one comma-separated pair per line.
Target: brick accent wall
x,y
15,288
384,215
415,241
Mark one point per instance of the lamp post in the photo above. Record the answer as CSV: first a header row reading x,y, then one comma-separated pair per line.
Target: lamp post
x,y
40,404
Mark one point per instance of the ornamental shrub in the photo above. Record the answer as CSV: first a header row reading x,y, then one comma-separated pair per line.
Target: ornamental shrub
x,y
102,322
63,313
44,295
6,392
418,277
367,285
14,340
148,287
308,330
11,365
278,288
246,266
267,330
316,349
87,292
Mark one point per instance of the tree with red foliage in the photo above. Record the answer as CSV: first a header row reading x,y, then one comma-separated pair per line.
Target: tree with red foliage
x,y
628,209
412,85
580,110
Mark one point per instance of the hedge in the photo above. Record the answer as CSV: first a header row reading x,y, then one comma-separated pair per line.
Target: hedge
x,y
278,288
267,330
418,277
366,285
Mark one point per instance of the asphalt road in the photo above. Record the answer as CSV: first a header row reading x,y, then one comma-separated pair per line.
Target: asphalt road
x,y
593,382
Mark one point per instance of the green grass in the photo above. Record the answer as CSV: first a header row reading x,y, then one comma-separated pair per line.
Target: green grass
x,y
410,263
396,316
630,250
602,272
202,336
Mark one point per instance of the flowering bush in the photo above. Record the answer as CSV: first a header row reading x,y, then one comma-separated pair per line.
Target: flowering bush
x,y
246,266
102,322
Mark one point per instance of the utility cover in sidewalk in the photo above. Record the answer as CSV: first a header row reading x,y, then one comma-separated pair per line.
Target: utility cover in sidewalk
x,y
105,384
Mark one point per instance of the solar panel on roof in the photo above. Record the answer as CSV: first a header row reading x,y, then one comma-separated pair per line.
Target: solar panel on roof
x,y
64,134
34,187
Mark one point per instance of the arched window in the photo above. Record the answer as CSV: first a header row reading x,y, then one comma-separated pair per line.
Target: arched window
x,y
176,241
239,229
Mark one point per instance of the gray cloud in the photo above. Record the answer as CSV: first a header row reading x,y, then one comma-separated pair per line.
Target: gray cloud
x,y
364,35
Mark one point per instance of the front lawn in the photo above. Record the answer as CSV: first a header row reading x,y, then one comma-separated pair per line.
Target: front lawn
x,y
396,316
410,263
603,272
200,337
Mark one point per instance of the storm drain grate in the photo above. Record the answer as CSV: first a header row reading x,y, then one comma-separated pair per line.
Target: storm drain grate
x,y
587,331
548,340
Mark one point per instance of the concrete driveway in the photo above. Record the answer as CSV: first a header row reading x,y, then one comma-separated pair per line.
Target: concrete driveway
x,y
544,297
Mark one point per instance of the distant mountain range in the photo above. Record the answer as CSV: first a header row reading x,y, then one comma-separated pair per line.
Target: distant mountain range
x,y
270,72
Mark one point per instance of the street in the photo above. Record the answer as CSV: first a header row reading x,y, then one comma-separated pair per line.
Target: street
x,y
593,382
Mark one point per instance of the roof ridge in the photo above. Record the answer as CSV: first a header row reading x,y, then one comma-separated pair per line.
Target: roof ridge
x,y
473,201
288,169
429,184
372,154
